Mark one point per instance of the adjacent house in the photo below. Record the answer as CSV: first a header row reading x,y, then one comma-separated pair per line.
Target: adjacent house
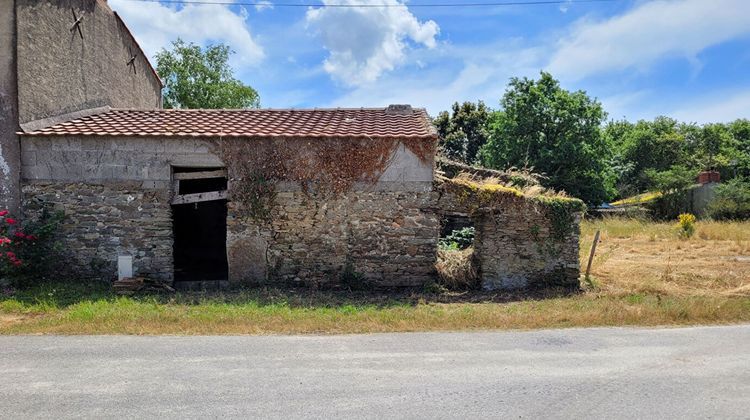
x,y
58,60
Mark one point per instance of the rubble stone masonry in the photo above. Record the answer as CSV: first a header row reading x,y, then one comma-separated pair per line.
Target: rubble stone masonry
x,y
116,195
388,237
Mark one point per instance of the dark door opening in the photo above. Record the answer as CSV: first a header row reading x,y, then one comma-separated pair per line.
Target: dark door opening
x,y
200,241
199,223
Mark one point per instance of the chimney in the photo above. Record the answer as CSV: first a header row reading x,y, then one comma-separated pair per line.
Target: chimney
x,y
399,110
708,177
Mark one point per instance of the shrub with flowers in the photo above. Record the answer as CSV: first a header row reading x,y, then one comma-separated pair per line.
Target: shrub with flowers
x,y
11,240
686,225
26,250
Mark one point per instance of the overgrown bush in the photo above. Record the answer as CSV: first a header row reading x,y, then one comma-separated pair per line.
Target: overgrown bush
x,y
458,239
456,269
686,224
29,252
732,201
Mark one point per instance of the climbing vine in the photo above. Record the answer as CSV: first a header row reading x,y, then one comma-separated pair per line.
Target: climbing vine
x,y
562,212
322,167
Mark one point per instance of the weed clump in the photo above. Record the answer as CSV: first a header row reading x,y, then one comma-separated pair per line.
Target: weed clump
x,y
686,224
456,269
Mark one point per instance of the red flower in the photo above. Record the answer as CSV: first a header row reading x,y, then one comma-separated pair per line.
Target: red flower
x,y
11,255
31,237
20,235
3,212
10,221
17,263
4,241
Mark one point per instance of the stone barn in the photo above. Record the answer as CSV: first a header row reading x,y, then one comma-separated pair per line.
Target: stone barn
x,y
312,197
294,196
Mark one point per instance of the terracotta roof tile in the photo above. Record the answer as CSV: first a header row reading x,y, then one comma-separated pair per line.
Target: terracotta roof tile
x,y
340,122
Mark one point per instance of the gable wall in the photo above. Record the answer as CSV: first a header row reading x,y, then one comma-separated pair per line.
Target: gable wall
x,y
60,73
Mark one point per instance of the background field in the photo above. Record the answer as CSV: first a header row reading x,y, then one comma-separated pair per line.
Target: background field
x,y
643,274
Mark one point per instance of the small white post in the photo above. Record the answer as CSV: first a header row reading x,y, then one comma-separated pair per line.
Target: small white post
x,y
124,266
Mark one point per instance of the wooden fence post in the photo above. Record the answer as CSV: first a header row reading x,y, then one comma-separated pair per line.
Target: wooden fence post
x,y
591,255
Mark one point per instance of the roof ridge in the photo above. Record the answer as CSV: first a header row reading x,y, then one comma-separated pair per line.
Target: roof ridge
x,y
422,110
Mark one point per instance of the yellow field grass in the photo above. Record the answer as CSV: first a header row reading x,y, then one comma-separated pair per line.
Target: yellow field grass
x,y
645,257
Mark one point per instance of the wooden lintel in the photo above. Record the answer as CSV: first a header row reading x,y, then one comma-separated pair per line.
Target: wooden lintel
x,y
221,173
198,197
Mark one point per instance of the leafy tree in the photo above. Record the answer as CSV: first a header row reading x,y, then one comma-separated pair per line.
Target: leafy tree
x,y
614,133
201,78
732,201
650,146
464,131
714,139
739,161
555,131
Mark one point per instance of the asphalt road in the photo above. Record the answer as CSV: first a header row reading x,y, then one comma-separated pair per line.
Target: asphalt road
x,y
578,373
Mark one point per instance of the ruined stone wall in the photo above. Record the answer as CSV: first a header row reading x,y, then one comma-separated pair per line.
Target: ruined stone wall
x,y
59,72
520,242
517,248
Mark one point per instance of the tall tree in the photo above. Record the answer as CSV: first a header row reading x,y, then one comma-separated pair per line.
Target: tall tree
x,y
651,146
464,131
555,132
740,163
201,78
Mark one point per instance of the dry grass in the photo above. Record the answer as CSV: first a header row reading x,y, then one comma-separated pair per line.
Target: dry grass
x,y
456,269
641,257
643,275
494,184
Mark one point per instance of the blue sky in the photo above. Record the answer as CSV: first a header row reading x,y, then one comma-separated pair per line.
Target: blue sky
x,y
689,59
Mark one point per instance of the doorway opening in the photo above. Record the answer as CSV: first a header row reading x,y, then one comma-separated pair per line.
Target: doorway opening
x,y
199,222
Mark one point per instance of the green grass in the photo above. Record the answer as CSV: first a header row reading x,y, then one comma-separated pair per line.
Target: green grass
x,y
91,309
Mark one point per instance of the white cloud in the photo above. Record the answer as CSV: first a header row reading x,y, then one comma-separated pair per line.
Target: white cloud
x,y
647,34
263,5
723,108
482,76
363,43
156,25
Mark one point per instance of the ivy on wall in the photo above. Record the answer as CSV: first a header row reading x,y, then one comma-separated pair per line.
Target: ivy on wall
x,y
475,196
321,166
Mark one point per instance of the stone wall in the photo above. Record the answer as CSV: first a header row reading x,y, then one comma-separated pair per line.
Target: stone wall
x,y
517,243
387,237
116,194
9,149
60,73
517,248
104,221
149,160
